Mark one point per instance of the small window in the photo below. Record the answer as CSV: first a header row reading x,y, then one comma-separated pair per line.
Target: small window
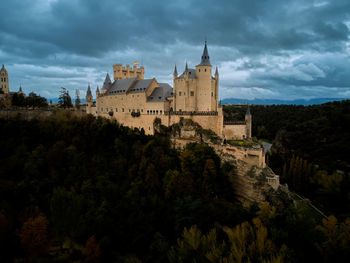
x,y
141,110
116,109
192,93
212,94
129,110
122,109
184,93
179,93
205,70
199,70
156,112
159,97
161,112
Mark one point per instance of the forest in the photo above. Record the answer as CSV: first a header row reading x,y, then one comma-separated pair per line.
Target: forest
x,y
310,148
90,190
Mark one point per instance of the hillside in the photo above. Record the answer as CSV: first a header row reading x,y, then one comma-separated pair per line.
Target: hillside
x,y
90,190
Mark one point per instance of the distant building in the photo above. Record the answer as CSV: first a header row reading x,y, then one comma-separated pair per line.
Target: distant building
x,y
4,80
136,102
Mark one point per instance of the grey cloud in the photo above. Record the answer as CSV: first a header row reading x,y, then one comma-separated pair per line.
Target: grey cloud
x,y
91,35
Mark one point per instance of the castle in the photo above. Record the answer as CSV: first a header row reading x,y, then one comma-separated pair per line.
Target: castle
x,y
135,102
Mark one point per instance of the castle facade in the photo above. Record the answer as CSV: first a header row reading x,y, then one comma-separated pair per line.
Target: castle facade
x,y
135,102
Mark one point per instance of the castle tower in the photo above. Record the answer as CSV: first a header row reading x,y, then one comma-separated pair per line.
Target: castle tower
x,y
97,92
120,72
205,89
4,80
89,100
248,123
107,83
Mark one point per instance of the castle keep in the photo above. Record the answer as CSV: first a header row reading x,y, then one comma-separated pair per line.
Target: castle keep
x,y
135,102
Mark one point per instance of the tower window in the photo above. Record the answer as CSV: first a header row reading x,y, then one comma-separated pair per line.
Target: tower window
x,y
192,93
205,70
179,93
199,70
212,94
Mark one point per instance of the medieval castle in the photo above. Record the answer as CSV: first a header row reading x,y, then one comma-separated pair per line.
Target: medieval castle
x,y
135,102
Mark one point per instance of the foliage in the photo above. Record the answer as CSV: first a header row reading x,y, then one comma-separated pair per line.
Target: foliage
x,y
64,100
77,99
34,235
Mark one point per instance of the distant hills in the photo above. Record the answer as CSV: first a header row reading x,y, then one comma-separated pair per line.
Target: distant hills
x,y
255,101
280,102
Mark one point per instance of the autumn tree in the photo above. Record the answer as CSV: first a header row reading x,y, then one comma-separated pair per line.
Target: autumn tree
x,y
92,251
34,235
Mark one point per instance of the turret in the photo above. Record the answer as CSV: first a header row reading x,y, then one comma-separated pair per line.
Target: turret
x,y
106,84
97,92
206,94
89,98
248,123
186,71
175,72
216,73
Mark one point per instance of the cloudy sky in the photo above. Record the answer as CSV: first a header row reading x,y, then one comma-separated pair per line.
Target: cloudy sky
x,y
263,49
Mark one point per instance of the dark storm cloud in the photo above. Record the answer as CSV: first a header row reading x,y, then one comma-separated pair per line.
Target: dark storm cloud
x,y
270,46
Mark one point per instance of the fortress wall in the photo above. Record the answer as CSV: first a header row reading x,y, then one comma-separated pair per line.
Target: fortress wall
x,y
235,132
252,156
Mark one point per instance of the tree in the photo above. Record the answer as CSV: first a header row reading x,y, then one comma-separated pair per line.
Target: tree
x,y
18,100
34,235
77,99
64,99
92,251
33,100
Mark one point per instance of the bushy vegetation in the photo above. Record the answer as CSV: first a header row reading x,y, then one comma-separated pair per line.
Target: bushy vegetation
x,y
310,150
90,190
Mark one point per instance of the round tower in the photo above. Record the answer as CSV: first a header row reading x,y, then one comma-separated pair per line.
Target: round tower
x,y
204,83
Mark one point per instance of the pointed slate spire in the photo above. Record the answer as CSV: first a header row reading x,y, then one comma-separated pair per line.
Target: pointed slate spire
x,y
20,88
216,71
175,71
106,83
186,67
88,93
205,56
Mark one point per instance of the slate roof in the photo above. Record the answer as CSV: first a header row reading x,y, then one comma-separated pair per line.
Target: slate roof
x,y
88,93
161,93
191,73
205,56
106,83
120,86
141,85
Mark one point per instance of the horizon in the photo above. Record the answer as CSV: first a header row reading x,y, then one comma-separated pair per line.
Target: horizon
x,y
70,44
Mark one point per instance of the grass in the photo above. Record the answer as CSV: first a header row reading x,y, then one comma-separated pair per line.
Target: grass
x,y
240,143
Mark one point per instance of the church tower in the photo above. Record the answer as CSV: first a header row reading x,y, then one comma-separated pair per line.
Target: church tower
x,y
4,80
205,84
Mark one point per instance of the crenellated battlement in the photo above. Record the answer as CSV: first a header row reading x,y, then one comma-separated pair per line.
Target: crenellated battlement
x,y
120,72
